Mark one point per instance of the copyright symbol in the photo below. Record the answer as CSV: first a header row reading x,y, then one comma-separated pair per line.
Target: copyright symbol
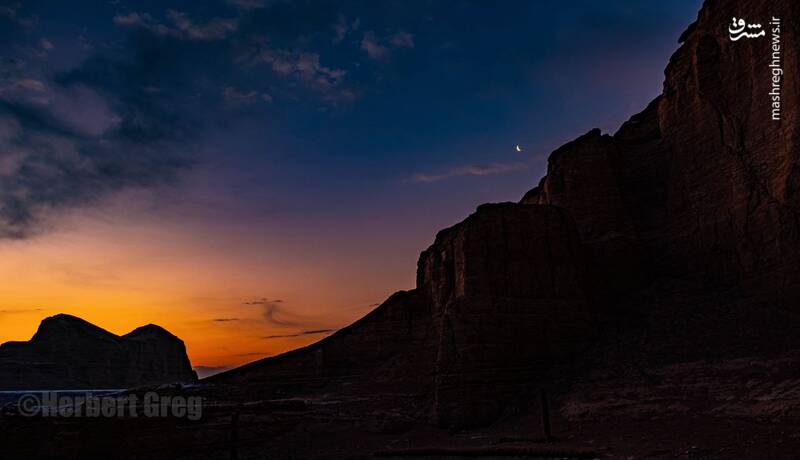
x,y
29,405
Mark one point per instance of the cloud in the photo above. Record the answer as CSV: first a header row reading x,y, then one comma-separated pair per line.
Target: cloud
x,y
182,26
372,45
306,67
46,44
234,97
342,27
299,334
129,112
275,314
81,135
402,39
378,48
261,301
215,29
248,4
17,81
21,312
469,170
10,14
132,19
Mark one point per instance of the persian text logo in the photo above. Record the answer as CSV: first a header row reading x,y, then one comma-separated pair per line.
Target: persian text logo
x,y
740,28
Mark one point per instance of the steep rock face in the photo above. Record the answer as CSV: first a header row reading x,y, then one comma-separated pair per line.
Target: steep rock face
x,y
583,178
155,355
734,207
703,183
69,353
509,299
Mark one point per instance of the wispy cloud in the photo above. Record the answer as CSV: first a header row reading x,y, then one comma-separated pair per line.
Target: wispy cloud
x,y
378,48
342,27
299,334
468,170
10,12
402,39
182,26
306,67
372,45
248,4
235,98
261,301
274,312
276,315
21,311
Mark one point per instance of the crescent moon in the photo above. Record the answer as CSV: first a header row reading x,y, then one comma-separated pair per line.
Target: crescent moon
x,y
518,148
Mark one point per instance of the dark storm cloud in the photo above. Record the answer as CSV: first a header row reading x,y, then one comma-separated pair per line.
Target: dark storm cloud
x,y
69,150
124,116
68,139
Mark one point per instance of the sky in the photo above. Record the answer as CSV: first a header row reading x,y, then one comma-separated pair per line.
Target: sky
x,y
253,175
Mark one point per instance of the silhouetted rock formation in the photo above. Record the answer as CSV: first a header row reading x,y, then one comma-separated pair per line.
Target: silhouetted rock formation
x,y
70,353
508,292
510,277
677,237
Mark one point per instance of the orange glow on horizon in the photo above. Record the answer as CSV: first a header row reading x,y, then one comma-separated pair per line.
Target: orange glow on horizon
x,y
120,278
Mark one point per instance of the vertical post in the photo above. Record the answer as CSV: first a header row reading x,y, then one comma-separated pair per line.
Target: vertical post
x,y
545,416
234,447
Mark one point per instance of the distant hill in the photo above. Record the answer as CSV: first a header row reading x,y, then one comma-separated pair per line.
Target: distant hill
x,y
69,353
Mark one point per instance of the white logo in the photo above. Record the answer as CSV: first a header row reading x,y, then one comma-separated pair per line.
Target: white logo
x,y
738,29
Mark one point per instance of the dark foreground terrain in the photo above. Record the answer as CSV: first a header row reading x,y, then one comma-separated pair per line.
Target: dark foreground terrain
x,y
650,285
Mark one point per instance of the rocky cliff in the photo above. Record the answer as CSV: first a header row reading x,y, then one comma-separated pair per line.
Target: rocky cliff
x,y
703,183
69,353
675,238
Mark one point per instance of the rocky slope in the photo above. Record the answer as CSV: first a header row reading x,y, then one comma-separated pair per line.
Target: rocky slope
x,y
677,238
69,353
